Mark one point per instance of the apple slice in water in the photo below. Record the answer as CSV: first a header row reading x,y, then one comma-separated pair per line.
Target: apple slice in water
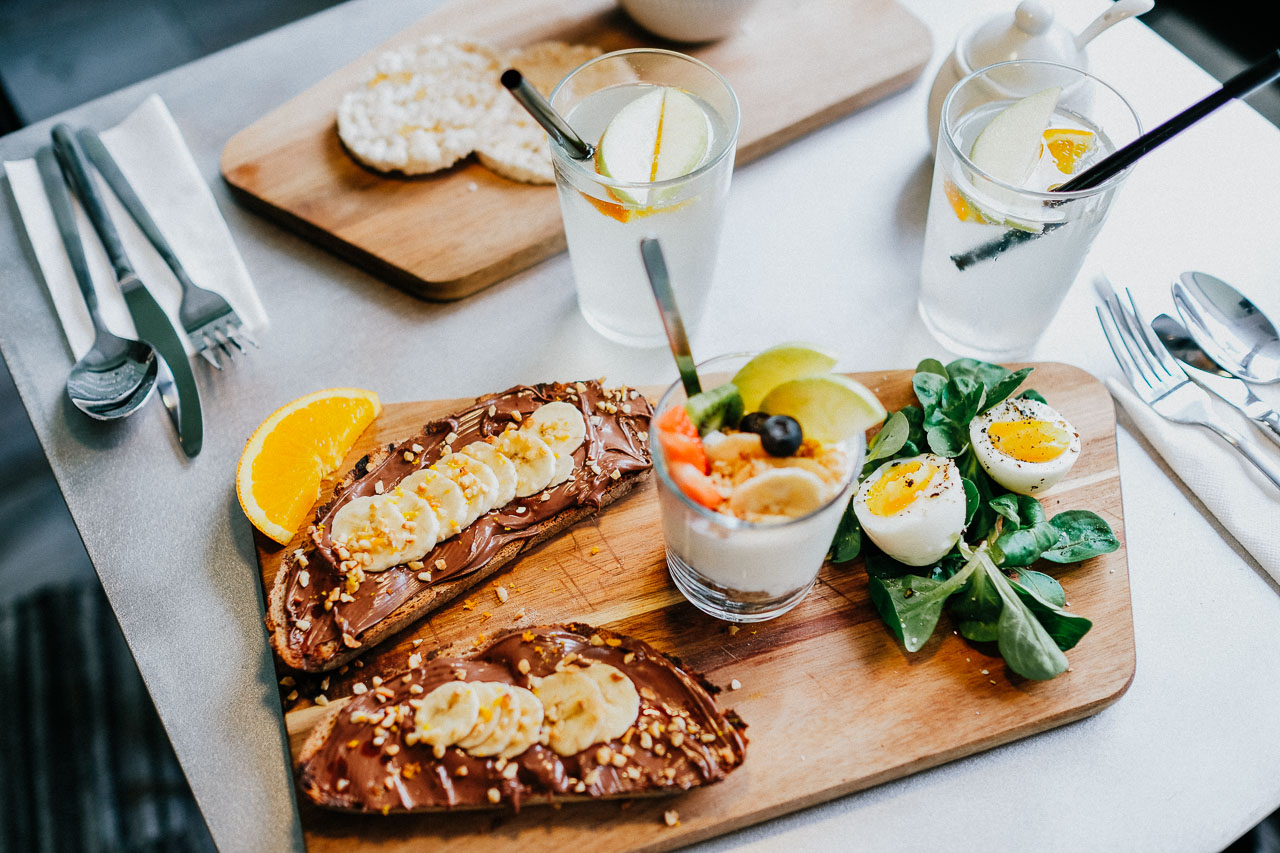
x,y
1008,148
663,134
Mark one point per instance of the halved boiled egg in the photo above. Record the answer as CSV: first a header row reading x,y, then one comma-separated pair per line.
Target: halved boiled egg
x,y
913,509
1025,445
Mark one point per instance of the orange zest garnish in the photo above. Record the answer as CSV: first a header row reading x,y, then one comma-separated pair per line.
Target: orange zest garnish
x,y
1067,146
288,456
965,211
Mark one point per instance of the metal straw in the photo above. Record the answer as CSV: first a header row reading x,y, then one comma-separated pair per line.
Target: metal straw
x,y
1257,75
543,113
656,266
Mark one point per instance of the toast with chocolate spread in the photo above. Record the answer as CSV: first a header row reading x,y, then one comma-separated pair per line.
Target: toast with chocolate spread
x,y
544,715
463,498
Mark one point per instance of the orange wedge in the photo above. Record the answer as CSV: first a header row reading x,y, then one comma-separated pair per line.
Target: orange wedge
x,y
1068,145
290,453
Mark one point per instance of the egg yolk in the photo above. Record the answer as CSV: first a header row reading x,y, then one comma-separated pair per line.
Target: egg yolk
x,y
899,487
1029,440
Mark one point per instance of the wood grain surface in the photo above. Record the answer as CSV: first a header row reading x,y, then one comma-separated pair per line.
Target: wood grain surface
x,y
795,65
833,702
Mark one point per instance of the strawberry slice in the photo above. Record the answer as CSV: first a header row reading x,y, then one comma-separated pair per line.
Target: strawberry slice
x,y
680,441
696,485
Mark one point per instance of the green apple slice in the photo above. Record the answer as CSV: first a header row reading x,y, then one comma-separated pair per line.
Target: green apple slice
x,y
1008,148
776,365
829,407
663,134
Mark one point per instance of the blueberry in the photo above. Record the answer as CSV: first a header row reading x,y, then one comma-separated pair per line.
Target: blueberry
x,y
781,435
753,422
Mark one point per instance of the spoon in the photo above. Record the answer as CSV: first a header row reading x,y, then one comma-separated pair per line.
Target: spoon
x,y
1118,12
660,280
116,376
1197,364
1228,327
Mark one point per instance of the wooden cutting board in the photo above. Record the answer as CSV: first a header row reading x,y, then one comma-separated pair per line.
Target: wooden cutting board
x,y
794,64
833,702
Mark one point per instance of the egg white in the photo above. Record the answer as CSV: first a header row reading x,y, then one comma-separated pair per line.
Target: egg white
x,y
927,528
1025,478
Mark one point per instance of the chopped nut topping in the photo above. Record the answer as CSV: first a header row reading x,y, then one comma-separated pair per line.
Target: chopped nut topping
x,y
377,681
647,692
439,750
414,565
408,457
441,565
735,685
359,688
377,487
415,689
494,795
304,578
613,642
671,817
733,629
341,784
644,436
707,737
304,624
415,660
580,787
592,776
604,755
322,700
461,771
510,771
615,474
545,496
287,681
502,594
523,666
393,749
293,694
629,657
628,750
416,448
677,738
646,740
451,438
618,759
596,640
633,772
520,613
425,577
417,643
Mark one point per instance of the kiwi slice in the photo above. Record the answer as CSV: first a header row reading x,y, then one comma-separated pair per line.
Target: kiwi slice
x,y
715,409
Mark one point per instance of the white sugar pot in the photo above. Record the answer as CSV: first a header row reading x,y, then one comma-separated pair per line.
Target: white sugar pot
x,y
1030,33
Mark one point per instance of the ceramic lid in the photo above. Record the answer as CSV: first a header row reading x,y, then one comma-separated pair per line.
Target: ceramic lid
x,y
1031,33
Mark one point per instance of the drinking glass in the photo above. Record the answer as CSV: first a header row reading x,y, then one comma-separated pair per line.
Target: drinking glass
x,y
999,258
605,219
738,570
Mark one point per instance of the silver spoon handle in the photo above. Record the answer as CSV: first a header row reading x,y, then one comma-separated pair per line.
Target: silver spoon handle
x,y
55,188
1271,423
75,164
656,266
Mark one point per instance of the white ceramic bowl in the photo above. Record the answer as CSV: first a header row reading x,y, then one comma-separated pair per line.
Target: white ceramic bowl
x,y
688,20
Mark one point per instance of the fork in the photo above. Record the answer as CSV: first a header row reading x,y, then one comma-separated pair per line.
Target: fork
x,y
1158,379
209,320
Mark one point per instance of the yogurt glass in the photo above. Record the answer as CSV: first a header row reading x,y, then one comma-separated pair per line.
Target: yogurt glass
x,y
738,570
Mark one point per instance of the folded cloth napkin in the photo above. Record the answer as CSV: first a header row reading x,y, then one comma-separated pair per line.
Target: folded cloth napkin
x,y
152,154
1234,491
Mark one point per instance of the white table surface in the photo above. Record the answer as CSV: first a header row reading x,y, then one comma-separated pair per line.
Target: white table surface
x,y
822,242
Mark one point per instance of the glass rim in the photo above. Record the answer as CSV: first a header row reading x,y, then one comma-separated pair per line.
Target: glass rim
x,y
944,132
730,521
730,141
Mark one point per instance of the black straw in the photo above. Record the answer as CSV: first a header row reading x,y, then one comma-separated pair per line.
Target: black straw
x,y
543,113
1257,75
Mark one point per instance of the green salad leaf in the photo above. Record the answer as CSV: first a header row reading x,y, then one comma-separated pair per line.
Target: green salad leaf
x,y
985,581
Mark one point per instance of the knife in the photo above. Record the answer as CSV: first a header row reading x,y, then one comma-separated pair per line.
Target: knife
x,y
149,319
1205,372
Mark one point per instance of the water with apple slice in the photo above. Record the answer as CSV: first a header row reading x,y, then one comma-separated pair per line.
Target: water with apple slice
x,y
647,133
1033,145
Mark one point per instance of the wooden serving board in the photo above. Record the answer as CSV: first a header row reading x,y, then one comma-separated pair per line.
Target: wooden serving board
x,y
795,65
833,702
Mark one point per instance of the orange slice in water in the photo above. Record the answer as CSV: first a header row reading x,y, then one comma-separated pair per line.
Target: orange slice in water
x,y
290,453
1067,145
961,205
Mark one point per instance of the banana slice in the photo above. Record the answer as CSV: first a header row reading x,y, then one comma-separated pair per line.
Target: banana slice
x,y
503,468
422,525
490,695
575,707
446,714
372,526
534,460
779,492
442,495
478,483
622,702
508,714
730,447
562,427
528,726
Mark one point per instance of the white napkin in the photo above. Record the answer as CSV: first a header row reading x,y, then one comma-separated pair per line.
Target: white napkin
x,y
1242,499
151,153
